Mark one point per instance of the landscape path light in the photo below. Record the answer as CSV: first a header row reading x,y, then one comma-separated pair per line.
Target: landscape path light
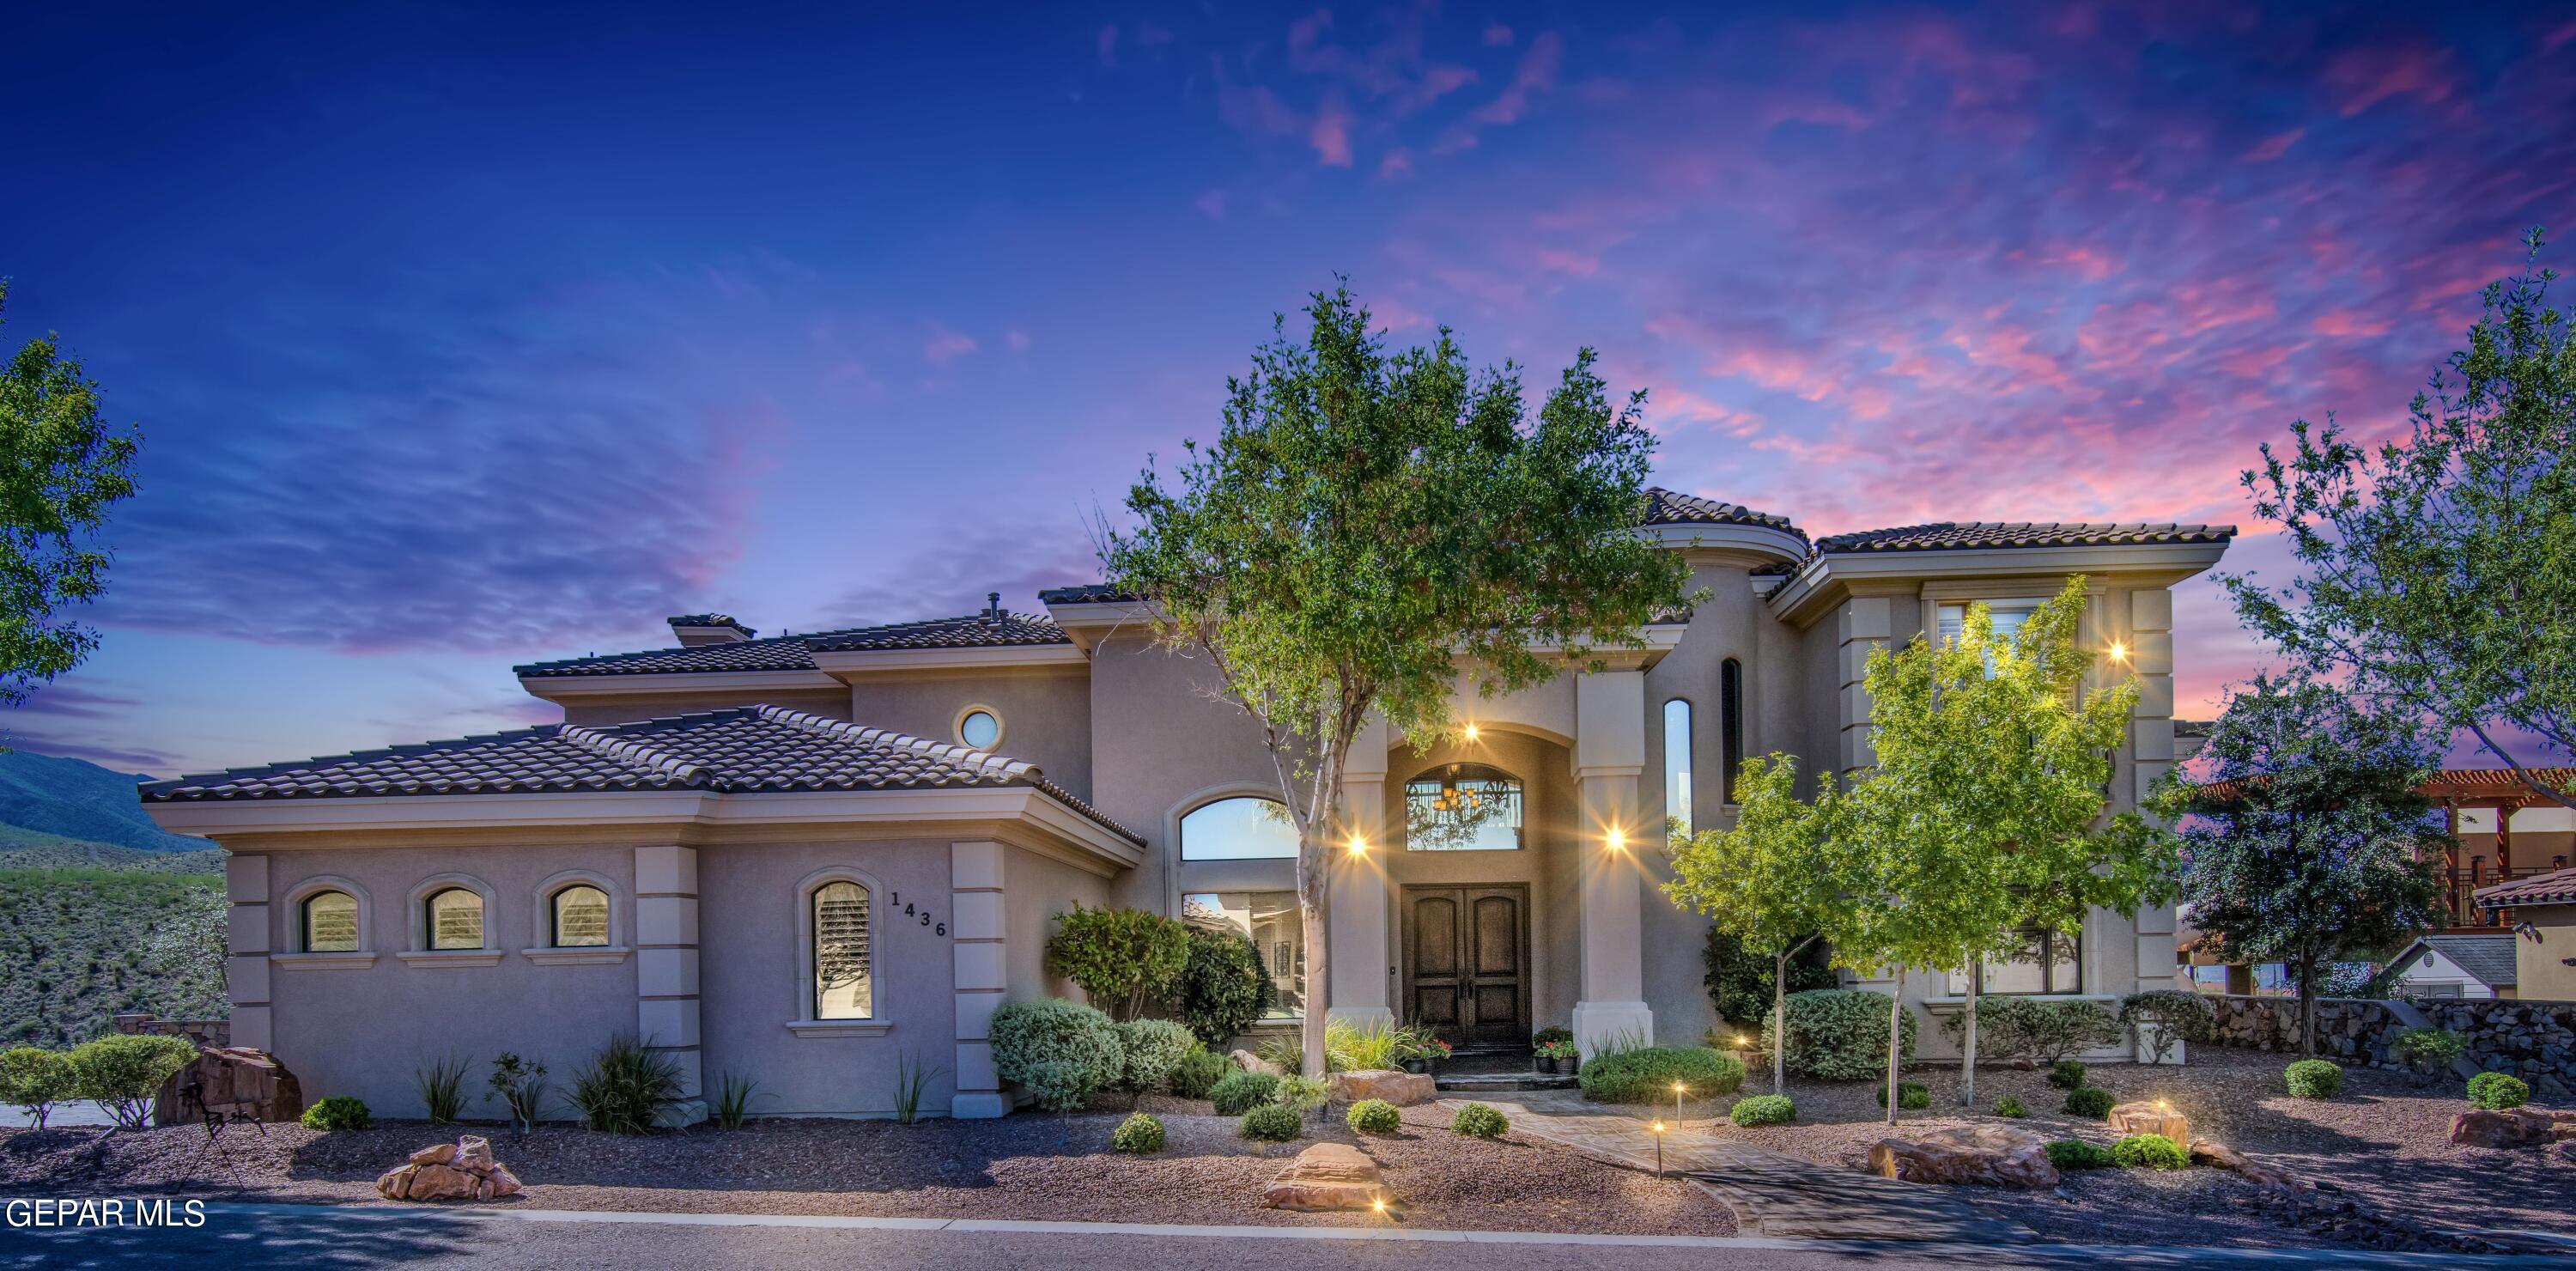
x,y
1658,1128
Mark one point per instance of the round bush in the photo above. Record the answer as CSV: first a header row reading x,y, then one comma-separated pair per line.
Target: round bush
x,y
2429,1048
2152,1151
2066,1074
2496,1091
339,1112
1374,1116
1138,1135
2078,1154
1149,1050
1060,1052
2313,1079
2009,1106
1909,1094
2090,1101
1647,1074
1196,1073
1476,1120
1241,1092
122,1071
1763,1109
1223,986
1271,1123
1841,1034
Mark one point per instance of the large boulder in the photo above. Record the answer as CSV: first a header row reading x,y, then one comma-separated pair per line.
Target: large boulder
x,y
2510,1127
1402,1089
1250,1062
2213,1153
229,1080
2151,1118
1327,1176
1994,1155
462,1170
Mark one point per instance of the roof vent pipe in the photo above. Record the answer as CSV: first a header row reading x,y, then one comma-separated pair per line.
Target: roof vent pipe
x,y
993,607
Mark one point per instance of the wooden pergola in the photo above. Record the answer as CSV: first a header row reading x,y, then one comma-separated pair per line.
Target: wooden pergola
x,y
2499,790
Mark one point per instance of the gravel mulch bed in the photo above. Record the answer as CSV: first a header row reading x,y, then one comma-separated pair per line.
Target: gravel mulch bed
x,y
1028,1166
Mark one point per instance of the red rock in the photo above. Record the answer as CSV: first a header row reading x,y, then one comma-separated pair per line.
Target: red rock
x,y
2147,1118
394,1182
1327,1176
440,1182
436,1154
2508,1127
1995,1155
504,1183
1403,1089
474,1152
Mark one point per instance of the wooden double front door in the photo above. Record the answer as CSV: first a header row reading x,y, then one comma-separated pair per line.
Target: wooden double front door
x,y
1466,963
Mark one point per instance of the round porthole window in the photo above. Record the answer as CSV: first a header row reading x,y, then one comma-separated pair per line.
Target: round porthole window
x,y
979,728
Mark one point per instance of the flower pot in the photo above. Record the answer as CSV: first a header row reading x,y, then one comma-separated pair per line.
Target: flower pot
x,y
1547,1064
1417,1065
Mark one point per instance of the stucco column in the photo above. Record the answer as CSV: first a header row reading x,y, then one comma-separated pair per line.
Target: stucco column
x,y
246,950
1363,964
1609,756
1864,624
666,969
2151,750
980,942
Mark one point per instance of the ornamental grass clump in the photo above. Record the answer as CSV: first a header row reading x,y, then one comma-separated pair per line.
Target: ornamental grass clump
x,y
1374,1116
1480,1121
2088,1101
2073,1154
2313,1079
1648,1074
1061,1052
627,1087
442,1089
1909,1095
1379,1044
1763,1109
1271,1123
2496,1091
1139,1135
2151,1151
1241,1092
339,1112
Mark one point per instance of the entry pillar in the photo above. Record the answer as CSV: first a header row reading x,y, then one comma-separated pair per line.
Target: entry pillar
x,y
1363,968
1609,756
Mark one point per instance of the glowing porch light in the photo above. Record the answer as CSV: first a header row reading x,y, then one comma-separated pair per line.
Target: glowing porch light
x,y
1617,839
1359,846
2119,651
1471,733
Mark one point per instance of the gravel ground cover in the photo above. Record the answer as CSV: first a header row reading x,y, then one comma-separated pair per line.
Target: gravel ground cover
x,y
1030,1166
2384,1142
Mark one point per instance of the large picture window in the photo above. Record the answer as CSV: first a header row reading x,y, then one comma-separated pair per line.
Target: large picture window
x,y
330,922
1244,828
1463,807
1271,921
2051,962
455,919
843,987
1677,766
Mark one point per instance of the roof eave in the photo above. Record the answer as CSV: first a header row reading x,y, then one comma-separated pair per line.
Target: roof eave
x,y
555,688
1826,577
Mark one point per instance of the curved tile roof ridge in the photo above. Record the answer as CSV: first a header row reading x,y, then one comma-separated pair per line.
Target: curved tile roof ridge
x,y
1672,507
633,752
984,762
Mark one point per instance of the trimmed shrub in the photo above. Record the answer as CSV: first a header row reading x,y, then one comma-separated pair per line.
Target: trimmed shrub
x,y
2066,1074
626,1087
2009,1106
1301,1094
1909,1094
1841,1034
36,1079
2158,1018
2078,1154
2088,1101
1271,1123
1061,1052
2150,1151
1480,1121
1647,1075
1223,987
1138,1135
1149,1050
339,1112
1122,958
2429,1049
2032,1028
1196,1073
1374,1116
121,1072
2496,1091
1241,1092
1763,1109
2313,1079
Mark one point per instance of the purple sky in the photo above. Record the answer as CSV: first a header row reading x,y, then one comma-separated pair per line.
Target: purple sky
x,y
470,338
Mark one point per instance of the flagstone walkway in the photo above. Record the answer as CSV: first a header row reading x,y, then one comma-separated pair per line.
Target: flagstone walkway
x,y
1770,1193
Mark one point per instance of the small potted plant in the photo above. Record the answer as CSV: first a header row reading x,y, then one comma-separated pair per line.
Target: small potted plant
x,y
1409,1052
1431,1050
1552,1053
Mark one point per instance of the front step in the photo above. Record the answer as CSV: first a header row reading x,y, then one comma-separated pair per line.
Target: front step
x,y
1501,1082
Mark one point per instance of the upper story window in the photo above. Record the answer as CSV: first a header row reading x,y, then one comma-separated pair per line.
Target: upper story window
x,y
1677,766
1463,807
2007,616
979,728
1730,725
579,917
2051,961
455,919
330,922
1243,828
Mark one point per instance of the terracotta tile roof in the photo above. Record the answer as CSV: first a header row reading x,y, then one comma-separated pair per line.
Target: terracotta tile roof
x,y
2557,887
1947,536
796,652
1671,507
742,750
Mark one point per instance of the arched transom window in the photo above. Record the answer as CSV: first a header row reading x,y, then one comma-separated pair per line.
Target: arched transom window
x,y
329,921
455,919
1463,807
1244,828
579,917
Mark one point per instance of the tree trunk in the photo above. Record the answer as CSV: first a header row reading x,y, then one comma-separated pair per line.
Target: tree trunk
x,y
1780,1026
1968,1050
2307,1004
1895,1034
1311,911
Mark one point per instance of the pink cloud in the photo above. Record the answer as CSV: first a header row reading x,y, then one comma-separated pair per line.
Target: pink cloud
x,y
945,346
1331,134
2344,322
2274,146
1498,34
1537,74
1107,45
2363,78
1396,165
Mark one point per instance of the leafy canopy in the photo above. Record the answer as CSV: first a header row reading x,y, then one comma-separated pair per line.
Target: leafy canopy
x,y
60,469
2439,569
1773,878
1122,958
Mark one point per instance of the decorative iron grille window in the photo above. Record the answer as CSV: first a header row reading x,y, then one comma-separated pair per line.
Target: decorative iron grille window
x,y
843,988
1463,807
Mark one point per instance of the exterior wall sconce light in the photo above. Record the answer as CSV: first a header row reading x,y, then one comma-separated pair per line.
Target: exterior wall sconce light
x,y
2119,651
1617,840
1471,734
1359,846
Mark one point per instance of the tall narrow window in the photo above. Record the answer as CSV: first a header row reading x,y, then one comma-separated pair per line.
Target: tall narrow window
x,y
456,919
843,988
330,922
1677,766
1730,722
580,917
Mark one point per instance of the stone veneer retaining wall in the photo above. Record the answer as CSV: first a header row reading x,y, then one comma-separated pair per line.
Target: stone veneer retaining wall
x,y
2535,1041
215,1033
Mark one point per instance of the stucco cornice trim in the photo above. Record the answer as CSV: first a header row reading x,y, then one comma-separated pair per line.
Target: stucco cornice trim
x,y
1763,541
849,664
1826,579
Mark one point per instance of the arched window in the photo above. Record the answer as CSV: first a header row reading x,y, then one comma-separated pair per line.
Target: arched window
x,y
1463,807
579,918
328,923
844,987
1243,828
455,919
1677,766
1730,723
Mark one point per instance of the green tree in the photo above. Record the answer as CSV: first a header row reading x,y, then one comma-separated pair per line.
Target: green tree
x,y
1370,524
1773,879
2439,569
1122,958
2307,842
60,469
1987,794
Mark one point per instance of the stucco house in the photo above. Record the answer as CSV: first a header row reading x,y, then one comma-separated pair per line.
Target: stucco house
x,y
2466,966
2539,914
809,858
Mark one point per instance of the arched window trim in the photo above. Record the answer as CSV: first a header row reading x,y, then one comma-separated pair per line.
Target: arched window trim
x,y
1480,772
542,948
419,953
297,956
1730,723
1206,799
802,1023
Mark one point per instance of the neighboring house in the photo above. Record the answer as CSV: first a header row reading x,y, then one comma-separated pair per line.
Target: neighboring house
x,y
2452,966
806,859
2541,912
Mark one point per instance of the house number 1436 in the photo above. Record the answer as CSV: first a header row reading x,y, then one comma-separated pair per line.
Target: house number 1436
x,y
937,928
